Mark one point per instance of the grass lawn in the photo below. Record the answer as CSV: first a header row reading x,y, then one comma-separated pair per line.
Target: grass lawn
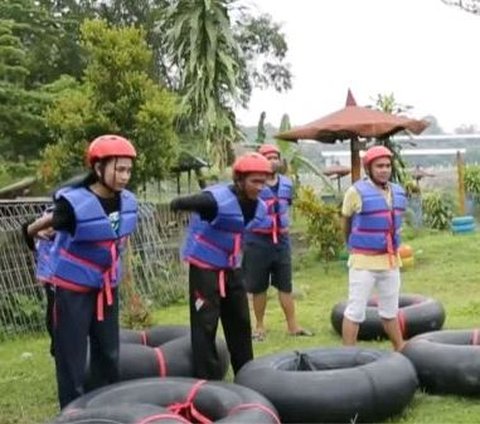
x,y
447,268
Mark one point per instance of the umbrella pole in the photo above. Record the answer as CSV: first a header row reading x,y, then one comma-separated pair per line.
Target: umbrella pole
x,y
355,159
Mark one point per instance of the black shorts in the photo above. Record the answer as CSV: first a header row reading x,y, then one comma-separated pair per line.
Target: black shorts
x,y
265,265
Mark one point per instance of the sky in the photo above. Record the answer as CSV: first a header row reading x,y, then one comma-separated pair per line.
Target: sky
x,y
422,51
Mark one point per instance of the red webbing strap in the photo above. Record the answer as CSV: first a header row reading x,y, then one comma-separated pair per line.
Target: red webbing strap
x,y
259,406
187,409
108,277
162,364
100,315
221,283
159,417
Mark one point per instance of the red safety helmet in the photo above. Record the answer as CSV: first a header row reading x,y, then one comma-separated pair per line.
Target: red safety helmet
x,y
265,149
109,146
376,152
252,162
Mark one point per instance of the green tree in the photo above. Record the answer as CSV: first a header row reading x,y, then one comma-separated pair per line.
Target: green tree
x,y
202,44
261,132
213,53
263,50
151,16
22,126
117,96
50,39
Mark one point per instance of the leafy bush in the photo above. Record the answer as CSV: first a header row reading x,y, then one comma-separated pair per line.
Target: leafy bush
x,y
20,312
323,224
11,172
437,210
411,187
471,179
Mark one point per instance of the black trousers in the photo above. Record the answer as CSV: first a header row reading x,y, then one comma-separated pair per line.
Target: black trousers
x,y
206,307
77,329
50,314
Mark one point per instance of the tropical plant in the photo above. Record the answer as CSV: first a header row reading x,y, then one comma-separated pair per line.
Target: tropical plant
x,y
437,210
202,45
214,45
471,179
323,224
411,187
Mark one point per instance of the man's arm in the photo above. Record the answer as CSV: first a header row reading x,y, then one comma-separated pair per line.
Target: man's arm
x,y
34,229
347,227
352,203
202,203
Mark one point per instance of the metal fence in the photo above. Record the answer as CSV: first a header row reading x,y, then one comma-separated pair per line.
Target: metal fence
x,y
157,274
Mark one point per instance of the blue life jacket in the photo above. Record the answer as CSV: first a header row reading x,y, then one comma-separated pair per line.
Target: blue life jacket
x,y
375,229
276,221
216,245
90,258
43,270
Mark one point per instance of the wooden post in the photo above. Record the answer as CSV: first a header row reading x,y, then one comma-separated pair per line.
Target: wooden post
x,y
461,185
355,159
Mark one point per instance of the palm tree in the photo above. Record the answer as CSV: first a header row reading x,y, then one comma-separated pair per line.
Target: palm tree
x,y
202,45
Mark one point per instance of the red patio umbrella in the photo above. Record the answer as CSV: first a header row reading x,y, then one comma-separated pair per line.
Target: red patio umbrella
x,y
352,122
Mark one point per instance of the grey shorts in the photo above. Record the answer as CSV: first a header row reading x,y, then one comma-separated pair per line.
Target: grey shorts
x,y
265,265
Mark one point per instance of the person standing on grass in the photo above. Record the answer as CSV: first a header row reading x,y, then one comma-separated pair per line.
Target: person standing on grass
x,y
40,246
212,248
269,240
91,221
372,215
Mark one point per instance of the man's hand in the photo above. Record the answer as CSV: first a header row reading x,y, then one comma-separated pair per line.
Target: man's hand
x,y
46,234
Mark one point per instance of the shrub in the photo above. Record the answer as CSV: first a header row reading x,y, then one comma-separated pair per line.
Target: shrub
x,y
323,224
437,210
471,180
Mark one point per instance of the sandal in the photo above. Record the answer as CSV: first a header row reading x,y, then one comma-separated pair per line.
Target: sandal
x,y
258,336
302,333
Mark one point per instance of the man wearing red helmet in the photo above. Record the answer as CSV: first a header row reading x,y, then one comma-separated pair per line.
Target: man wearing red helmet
x,y
269,240
92,221
372,211
212,249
